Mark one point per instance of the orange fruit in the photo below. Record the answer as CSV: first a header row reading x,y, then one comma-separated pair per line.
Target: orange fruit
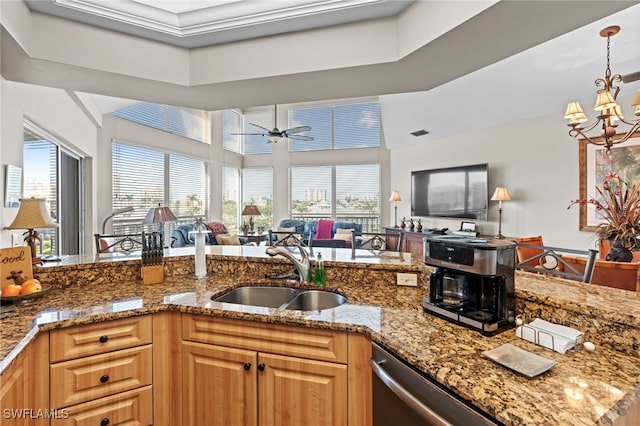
x,y
11,290
31,286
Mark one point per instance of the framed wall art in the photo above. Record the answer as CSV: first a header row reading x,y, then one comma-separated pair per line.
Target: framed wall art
x,y
595,165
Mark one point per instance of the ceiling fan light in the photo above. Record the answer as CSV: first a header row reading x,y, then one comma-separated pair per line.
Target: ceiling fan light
x,y
275,138
604,100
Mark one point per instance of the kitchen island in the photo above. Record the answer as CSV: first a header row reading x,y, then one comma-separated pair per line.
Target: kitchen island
x,y
583,388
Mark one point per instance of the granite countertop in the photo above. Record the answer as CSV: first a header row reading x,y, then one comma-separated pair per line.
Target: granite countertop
x,y
583,388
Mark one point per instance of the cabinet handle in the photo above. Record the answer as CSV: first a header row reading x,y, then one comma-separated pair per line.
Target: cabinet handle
x,y
103,339
104,422
104,378
261,367
247,366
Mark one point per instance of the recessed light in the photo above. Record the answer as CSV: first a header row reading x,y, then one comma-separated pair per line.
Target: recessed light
x,y
420,132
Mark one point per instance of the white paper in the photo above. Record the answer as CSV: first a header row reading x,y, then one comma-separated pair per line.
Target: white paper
x,y
201,266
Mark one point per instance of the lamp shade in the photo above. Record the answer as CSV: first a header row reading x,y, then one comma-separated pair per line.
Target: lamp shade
x,y
501,194
251,210
159,215
395,196
32,214
604,100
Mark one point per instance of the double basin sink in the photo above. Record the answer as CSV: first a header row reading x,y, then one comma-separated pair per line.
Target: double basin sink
x,y
283,298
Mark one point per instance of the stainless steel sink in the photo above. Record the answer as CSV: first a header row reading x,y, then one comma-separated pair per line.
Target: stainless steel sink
x,y
316,300
270,297
283,298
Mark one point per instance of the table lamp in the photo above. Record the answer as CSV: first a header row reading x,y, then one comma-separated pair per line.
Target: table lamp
x,y
159,215
251,210
501,194
32,214
395,197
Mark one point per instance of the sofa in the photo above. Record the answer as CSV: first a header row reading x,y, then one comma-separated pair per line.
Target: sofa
x,y
181,237
306,228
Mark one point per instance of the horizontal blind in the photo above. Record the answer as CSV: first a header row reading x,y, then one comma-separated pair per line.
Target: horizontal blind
x,y
319,118
230,197
257,189
231,123
311,191
358,194
187,196
257,144
137,179
186,122
357,125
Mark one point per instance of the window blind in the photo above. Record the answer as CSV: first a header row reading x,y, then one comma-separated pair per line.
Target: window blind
x,y
358,194
311,191
257,188
187,195
231,121
257,144
230,197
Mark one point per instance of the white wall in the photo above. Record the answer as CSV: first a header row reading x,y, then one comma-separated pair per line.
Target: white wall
x,y
57,113
535,159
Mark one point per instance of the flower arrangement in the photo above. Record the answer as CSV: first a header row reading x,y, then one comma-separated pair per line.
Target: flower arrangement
x,y
618,205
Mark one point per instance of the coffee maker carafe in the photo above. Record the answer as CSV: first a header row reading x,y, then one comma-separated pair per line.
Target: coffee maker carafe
x,y
473,282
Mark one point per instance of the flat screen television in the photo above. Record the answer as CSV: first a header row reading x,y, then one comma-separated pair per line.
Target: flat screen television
x,y
454,192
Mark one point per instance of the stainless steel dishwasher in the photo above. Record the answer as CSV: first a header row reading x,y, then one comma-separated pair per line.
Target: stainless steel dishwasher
x,y
402,396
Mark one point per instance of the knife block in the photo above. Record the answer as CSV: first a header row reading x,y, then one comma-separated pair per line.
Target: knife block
x,y
153,274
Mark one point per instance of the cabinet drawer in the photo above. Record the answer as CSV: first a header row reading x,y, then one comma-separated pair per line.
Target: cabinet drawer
x,y
80,380
127,408
310,343
75,342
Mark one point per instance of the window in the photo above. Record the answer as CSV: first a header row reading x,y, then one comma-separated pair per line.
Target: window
x,y
257,189
231,123
257,144
139,181
344,126
186,122
230,198
54,173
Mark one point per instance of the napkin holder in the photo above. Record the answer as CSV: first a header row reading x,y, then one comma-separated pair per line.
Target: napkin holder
x,y
556,337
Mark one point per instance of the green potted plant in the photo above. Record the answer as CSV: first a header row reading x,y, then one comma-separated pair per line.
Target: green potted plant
x,y
618,205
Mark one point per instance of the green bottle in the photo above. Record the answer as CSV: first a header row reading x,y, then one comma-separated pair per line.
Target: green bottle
x,y
319,278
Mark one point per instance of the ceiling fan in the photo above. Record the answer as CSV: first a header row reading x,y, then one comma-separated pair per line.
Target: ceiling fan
x,y
276,135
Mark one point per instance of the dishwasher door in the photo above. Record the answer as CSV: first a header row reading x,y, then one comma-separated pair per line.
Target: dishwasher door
x,y
402,396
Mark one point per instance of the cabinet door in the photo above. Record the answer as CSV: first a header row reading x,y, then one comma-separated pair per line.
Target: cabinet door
x,y
219,386
414,244
296,391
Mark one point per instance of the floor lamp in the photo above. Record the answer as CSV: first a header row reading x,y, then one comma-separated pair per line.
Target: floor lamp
x,y
395,197
501,194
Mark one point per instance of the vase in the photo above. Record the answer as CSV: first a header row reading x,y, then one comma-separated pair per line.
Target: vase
x,y
618,252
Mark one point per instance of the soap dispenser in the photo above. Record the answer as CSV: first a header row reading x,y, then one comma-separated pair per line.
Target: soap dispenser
x,y
319,278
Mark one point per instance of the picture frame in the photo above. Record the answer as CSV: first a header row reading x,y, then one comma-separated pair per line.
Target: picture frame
x,y
595,164
12,185
468,226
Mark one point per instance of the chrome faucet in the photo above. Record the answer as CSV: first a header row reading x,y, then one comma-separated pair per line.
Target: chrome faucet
x,y
303,266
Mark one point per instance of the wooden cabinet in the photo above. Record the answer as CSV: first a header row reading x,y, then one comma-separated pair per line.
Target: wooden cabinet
x,y
24,387
247,373
102,373
412,242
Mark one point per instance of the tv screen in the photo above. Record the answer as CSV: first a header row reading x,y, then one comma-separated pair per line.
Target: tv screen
x,y
455,192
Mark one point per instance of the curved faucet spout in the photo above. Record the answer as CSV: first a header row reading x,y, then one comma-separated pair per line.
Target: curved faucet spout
x,y
303,266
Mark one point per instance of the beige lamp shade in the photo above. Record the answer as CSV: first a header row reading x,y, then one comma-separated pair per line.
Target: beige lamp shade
x,y
604,100
159,215
251,210
395,196
501,194
32,214
574,113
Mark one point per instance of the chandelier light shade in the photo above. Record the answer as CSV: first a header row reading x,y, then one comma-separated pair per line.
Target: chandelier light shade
x,y
607,107
32,215
395,198
500,194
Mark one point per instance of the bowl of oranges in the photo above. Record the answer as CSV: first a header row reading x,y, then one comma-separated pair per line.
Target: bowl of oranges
x,y
30,288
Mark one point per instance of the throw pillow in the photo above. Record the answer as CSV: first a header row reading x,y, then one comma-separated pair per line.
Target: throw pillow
x,y
343,234
216,227
228,240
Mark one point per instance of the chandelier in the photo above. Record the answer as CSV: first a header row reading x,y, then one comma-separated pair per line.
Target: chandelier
x,y
607,107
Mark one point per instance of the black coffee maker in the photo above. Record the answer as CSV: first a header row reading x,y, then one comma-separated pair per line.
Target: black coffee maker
x,y
473,282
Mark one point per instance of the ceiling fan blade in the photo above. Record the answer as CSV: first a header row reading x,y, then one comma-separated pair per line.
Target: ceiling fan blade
x,y
298,129
260,127
249,134
300,137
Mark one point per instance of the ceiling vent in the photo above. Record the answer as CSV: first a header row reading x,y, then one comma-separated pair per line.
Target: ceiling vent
x,y
420,132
